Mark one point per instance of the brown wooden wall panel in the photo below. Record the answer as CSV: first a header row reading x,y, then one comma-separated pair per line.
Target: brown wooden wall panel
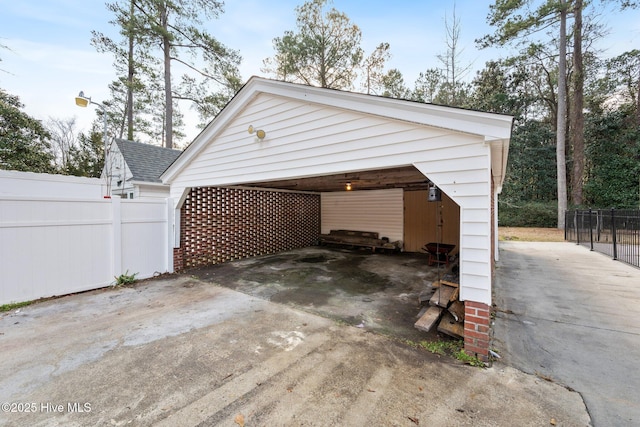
x,y
421,219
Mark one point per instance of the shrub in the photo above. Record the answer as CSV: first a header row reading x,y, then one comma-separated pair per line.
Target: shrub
x,y
125,279
528,214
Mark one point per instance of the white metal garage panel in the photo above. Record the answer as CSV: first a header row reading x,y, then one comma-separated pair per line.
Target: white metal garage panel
x,y
379,211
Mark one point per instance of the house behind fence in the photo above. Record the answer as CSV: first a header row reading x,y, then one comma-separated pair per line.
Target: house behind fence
x,y
58,235
610,231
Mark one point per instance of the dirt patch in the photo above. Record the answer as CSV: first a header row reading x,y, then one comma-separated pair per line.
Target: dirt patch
x,y
531,234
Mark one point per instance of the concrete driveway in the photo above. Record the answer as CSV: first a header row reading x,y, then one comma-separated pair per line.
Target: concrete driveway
x,y
572,316
375,291
178,351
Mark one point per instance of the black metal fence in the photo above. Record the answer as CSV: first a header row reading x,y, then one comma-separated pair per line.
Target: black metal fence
x,y
610,231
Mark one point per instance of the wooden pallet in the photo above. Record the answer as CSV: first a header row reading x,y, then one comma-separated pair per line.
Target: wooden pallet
x,y
359,239
444,309
449,326
444,295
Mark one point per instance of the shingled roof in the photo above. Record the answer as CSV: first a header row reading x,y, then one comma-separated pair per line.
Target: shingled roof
x,y
146,162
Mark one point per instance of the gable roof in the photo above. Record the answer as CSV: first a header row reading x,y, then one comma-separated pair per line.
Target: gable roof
x,y
316,133
494,128
146,162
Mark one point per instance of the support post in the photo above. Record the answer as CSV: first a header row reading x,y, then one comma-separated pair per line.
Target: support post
x,y
613,231
477,324
590,231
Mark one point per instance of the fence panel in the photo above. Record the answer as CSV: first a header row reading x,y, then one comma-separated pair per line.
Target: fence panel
x,y
610,231
56,246
144,237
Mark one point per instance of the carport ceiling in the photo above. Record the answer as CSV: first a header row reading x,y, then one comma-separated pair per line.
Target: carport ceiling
x,y
407,177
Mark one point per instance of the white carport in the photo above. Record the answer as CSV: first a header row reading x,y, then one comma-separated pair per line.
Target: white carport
x,y
312,132
315,138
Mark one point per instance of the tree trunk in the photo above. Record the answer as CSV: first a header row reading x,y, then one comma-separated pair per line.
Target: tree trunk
x,y
130,75
562,118
168,97
638,96
122,123
577,116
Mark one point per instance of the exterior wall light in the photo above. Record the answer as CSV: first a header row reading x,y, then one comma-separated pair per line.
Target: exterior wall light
x,y
259,132
347,186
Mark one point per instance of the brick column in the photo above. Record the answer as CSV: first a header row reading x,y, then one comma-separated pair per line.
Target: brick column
x,y
477,319
178,259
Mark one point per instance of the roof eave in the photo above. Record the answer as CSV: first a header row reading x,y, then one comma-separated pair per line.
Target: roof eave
x,y
148,183
491,126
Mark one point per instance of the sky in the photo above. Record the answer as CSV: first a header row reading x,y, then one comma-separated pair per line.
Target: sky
x,y
50,57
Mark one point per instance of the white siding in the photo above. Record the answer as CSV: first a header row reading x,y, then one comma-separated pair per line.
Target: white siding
x,y
467,181
153,191
119,172
379,211
312,140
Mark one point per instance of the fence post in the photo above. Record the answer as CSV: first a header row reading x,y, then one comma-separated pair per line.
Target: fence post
x,y
116,204
590,231
577,227
613,231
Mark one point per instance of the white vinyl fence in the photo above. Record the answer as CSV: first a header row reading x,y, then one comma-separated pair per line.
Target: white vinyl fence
x,y
58,245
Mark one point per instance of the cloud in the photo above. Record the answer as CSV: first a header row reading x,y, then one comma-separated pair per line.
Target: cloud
x,y
48,76
47,56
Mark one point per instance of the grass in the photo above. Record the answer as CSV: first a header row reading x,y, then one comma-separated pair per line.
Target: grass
x,y
13,306
122,280
125,279
454,348
530,234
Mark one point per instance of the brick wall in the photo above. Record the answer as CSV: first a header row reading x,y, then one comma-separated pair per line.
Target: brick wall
x,y
224,224
477,319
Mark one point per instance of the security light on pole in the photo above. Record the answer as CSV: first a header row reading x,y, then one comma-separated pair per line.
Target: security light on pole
x,y
83,101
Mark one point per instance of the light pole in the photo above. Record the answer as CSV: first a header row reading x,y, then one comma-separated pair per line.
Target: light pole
x,y
83,101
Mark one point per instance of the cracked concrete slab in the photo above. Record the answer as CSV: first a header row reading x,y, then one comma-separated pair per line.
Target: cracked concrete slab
x,y
571,315
180,351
